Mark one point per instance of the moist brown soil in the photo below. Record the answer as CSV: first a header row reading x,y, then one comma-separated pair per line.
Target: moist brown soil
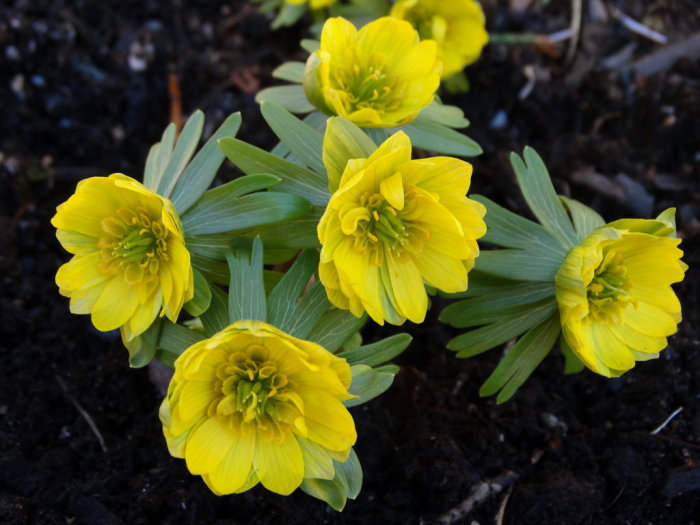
x,y
84,91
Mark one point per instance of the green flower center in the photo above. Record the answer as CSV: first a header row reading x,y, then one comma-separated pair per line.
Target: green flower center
x,y
133,243
369,86
608,291
252,390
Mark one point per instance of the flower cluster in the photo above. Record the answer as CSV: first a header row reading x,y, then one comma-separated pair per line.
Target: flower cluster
x,y
615,297
253,404
130,263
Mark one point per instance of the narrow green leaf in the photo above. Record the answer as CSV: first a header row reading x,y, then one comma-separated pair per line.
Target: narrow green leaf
x,y
184,149
310,45
522,265
521,360
450,116
505,228
538,190
298,234
163,152
301,139
584,218
149,171
519,294
222,215
308,311
175,339
329,490
290,71
288,15
377,353
334,328
482,339
246,295
216,317
295,179
292,98
343,141
349,473
202,296
429,135
282,300
572,364
142,349
200,173
368,383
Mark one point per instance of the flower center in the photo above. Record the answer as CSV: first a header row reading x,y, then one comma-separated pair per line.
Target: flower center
x,y
369,86
251,390
133,243
608,291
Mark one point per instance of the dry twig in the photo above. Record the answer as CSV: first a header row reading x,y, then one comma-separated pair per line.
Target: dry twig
x,y
666,421
478,494
81,410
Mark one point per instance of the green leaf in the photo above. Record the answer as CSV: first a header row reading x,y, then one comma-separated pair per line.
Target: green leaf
x,y
290,71
522,265
310,45
334,328
536,186
200,173
368,383
346,483
521,360
159,157
301,139
288,15
343,141
663,226
282,301
349,473
462,313
377,353
202,296
584,218
429,135
184,149
292,98
246,295
312,305
295,179
219,212
216,317
298,234
572,364
505,228
450,116
482,339
175,339
142,349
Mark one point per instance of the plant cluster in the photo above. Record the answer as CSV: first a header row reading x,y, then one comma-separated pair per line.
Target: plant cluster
x,y
255,291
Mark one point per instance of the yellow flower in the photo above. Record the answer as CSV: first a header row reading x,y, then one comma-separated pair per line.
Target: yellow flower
x,y
615,298
377,77
313,4
129,258
254,404
392,226
456,25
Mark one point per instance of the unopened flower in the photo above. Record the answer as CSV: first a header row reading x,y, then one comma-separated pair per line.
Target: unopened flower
x,y
313,4
254,404
129,259
615,298
457,26
393,226
379,76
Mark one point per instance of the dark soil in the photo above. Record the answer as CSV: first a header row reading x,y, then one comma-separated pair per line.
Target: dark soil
x,y
84,91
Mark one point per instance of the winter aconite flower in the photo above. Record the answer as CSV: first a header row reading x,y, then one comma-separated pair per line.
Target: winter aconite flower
x,y
393,226
614,294
313,4
457,26
254,404
379,76
129,259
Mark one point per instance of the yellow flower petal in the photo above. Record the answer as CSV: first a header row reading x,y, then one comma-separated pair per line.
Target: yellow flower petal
x,y
235,467
279,464
208,445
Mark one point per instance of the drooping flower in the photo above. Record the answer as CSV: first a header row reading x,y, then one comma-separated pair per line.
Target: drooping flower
x,y
393,226
313,4
614,294
129,263
456,26
379,76
254,404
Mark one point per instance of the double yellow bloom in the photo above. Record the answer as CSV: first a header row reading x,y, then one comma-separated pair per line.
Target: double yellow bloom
x,y
393,226
129,259
615,298
254,404
379,76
